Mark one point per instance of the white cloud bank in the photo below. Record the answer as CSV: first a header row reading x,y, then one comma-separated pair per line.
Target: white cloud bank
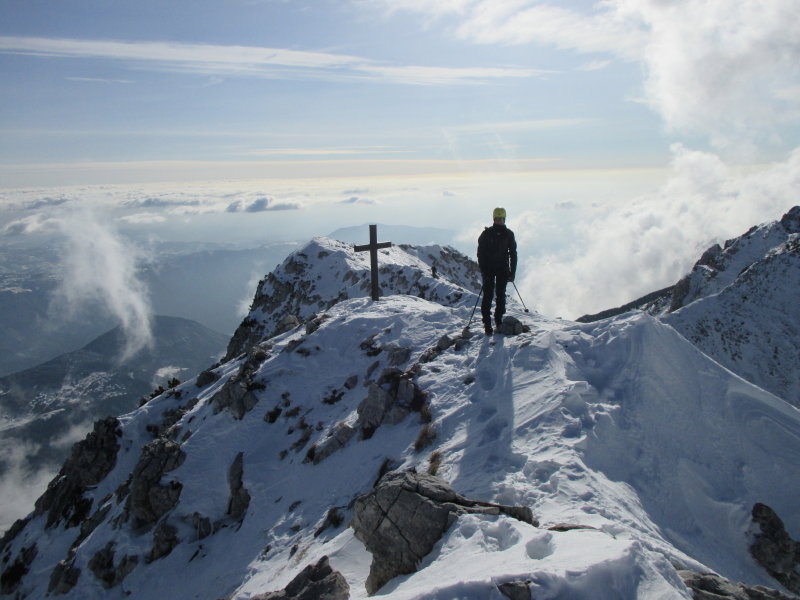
x,y
726,70
619,254
100,267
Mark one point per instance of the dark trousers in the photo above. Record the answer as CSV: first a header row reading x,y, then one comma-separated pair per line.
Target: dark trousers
x,y
494,284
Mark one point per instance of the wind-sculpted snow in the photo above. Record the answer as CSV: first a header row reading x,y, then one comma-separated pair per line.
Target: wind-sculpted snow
x,y
636,453
739,305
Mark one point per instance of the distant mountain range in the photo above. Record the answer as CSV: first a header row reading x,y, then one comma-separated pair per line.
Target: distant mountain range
x,y
204,283
46,408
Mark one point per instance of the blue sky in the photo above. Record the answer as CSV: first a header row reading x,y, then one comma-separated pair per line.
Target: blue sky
x,y
623,136
251,81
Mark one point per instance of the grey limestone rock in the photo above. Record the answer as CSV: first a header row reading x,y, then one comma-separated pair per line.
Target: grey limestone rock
x,y
512,326
516,590
149,500
109,574
774,550
403,517
240,497
165,539
63,578
91,460
315,582
710,586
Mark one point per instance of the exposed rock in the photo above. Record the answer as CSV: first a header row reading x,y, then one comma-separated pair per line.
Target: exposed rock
x,y
403,517
444,342
341,434
202,526
351,382
710,586
149,500
791,220
315,582
240,497
237,394
102,565
388,401
774,550
516,590
205,378
91,460
398,355
287,323
12,576
165,538
512,326
64,577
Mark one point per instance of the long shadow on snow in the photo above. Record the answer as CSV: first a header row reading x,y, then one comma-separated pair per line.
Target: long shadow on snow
x,y
487,452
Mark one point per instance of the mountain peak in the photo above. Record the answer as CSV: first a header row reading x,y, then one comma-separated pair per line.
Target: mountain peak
x,y
326,271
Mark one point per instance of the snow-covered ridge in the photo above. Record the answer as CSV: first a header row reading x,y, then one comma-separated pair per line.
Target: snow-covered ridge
x,y
637,454
739,305
720,266
327,271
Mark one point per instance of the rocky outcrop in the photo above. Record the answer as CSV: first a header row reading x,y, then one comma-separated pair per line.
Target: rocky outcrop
x,y
315,582
292,291
149,500
109,574
403,517
710,586
388,401
516,590
165,539
240,497
12,576
774,550
64,577
238,393
91,460
512,326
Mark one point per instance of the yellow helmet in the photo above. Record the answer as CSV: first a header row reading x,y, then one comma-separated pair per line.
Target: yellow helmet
x,y
499,213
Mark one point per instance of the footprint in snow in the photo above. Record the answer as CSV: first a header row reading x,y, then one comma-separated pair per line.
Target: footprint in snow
x,y
486,379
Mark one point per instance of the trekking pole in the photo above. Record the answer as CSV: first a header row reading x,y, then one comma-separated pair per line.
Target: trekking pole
x,y
520,297
473,309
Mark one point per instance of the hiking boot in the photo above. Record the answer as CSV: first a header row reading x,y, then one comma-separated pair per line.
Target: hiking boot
x,y
488,329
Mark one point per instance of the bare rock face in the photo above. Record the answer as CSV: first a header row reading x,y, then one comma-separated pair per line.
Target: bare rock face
x,y
774,550
149,500
710,586
315,582
91,460
240,497
12,576
237,395
403,517
110,574
388,401
512,326
516,590
64,577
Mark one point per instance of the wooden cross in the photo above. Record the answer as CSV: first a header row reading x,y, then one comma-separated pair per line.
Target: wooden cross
x,y
373,248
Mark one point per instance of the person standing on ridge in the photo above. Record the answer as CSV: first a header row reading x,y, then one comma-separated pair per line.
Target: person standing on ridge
x,y
497,259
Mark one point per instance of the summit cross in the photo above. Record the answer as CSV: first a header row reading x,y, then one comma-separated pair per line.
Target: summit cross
x,y
373,248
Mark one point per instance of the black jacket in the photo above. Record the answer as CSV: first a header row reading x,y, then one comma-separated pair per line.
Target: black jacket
x,y
497,251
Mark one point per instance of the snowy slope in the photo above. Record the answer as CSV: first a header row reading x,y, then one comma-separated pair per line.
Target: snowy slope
x,y
327,271
621,427
739,305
